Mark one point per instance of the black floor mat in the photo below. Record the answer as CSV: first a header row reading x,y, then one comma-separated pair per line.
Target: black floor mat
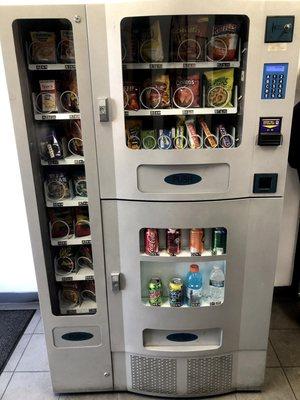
x,y
12,325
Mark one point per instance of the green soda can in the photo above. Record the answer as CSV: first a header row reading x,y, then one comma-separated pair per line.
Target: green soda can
x,y
155,291
219,241
149,139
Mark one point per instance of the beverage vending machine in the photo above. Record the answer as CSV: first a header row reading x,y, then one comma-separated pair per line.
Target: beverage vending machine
x,y
153,140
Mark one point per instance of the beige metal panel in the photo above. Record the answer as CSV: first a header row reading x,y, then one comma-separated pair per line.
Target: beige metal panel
x,y
65,364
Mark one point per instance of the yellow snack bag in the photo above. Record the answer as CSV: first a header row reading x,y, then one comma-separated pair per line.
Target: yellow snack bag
x,y
219,88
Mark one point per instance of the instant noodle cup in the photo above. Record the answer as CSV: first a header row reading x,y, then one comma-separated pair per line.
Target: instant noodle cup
x,y
186,91
219,87
151,48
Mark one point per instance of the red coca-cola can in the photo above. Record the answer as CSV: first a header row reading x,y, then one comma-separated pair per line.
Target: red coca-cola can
x,y
151,242
173,240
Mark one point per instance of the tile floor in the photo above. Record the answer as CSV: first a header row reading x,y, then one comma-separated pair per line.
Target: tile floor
x,y
26,376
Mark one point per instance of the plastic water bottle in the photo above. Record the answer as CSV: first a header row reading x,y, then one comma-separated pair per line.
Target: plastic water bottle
x,y
194,286
216,286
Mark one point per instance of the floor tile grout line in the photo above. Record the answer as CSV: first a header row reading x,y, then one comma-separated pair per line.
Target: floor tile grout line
x,y
290,384
13,372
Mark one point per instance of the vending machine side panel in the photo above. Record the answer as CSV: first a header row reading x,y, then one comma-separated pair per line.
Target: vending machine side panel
x,y
78,345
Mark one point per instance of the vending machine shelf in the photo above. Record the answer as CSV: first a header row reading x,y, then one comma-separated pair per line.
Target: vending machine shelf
x,y
71,160
166,304
73,240
83,274
184,255
51,67
74,202
86,307
183,65
58,116
180,111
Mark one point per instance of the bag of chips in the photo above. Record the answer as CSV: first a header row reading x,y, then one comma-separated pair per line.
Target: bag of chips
x,y
57,186
151,48
67,53
70,293
50,145
156,92
65,261
131,96
186,90
82,223
219,87
223,44
61,222
42,47
74,138
130,42
133,133
84,257
188,36
79,184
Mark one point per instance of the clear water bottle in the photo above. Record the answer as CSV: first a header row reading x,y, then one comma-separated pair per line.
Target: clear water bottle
x,y
216,286
194,286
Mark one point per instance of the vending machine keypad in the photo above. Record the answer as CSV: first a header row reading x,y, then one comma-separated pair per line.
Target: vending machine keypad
x,y
274,81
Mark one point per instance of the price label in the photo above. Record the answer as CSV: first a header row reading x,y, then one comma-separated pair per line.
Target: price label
x,y
126,113
82,203
221,111
86,241
223,64
155,66
66,278
92,310
89,278
189,65
69,66
155,112
187,112
58,204
78,161
52,162
73,116
39,67
48,117
62,243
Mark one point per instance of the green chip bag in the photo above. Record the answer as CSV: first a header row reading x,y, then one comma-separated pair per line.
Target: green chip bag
x,y
219,88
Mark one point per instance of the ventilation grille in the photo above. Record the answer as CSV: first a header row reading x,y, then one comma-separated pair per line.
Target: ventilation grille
x,y
209,375
155,375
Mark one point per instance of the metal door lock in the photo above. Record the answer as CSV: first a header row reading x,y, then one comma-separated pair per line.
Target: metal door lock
x,y
103,109
115,282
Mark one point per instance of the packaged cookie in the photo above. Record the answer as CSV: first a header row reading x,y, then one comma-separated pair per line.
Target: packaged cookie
x,y
219,87
43,47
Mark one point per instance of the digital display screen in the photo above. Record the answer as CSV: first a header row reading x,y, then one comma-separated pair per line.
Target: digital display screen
x,y
275,68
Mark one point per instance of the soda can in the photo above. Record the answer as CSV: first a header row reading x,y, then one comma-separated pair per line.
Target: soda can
x,y
155,291
165,141
176,292
196,241
173,240
151,242
219,241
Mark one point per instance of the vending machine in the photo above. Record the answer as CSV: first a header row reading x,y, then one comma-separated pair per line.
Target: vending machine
x,y
153,141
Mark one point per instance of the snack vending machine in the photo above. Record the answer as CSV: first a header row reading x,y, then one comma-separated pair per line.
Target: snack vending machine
x,y
153,141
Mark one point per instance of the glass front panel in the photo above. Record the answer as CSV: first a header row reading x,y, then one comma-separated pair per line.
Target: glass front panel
x,y
182,81
47,67
183,267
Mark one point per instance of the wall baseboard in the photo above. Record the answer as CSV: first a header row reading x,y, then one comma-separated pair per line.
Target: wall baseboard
x,y
11,297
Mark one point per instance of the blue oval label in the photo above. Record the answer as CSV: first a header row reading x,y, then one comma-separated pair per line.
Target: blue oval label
x,y
182,337
77,336
182,178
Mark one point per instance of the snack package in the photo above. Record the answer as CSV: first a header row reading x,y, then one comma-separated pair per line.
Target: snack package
x,y
209,139
70,293
79,184
133,133
151,48
149,139
61,222
131,93
180,140
195,141
223,44
46,100
50,145
84,257
82,223
156,92
67,52
69,98
225,140
219,87
57,186
186,90
88,290
43,48
65,261
165,139
130,41
74,138
188,36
